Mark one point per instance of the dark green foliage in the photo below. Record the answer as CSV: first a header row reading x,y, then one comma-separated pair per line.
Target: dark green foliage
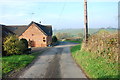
x,y
3,52
25,42
54,39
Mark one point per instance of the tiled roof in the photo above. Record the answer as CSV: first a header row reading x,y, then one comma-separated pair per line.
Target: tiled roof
x,y
47,29
19,29
5,31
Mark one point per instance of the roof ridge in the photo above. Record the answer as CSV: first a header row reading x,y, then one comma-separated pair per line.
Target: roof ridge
x,y
48,26
15,25
44,28
19,29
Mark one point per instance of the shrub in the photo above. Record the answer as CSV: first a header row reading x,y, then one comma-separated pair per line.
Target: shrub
x,y
25,42
61,36
12,45
54,39
26,49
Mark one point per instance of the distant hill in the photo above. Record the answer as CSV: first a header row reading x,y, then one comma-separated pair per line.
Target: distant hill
x,y
75,32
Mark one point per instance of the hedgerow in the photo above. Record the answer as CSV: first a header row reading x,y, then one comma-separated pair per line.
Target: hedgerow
x,y
104,44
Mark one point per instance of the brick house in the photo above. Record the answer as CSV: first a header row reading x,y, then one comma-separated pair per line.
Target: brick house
x,y
36,34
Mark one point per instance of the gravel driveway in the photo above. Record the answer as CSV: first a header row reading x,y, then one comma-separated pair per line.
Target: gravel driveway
x,y
56,62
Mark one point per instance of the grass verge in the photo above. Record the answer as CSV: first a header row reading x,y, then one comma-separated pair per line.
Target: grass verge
x,y
93,66
16,62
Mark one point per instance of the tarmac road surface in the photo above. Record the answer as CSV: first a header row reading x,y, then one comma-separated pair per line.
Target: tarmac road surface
x,y
56,62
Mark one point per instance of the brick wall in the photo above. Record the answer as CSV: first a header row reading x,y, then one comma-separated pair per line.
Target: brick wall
x,y
37,37
49,40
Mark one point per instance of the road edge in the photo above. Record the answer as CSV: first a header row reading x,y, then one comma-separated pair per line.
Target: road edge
x,y
17,73
79,66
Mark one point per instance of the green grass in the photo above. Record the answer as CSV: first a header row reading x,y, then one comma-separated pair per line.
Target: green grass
x,y
16,62
75,41
0,67
94,67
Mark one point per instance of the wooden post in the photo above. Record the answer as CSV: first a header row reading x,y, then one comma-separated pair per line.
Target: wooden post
x,y
85,21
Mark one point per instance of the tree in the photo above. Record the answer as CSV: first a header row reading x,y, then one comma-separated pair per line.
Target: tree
x,y
12,45
54,39
63,35
25,42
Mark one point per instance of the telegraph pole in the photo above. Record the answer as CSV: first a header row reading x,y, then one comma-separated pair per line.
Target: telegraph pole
x,y
85,21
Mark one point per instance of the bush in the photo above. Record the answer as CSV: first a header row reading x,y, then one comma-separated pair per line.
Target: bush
x,y
61,36
12,45
25,42
54,39
104,44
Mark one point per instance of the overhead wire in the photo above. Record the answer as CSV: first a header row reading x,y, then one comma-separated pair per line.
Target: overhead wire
x,y
61,13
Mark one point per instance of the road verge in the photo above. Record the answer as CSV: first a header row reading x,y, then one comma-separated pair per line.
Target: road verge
x,y
12,66
94,67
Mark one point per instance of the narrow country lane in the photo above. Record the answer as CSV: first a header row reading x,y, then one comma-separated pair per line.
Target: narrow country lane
x,y
56,62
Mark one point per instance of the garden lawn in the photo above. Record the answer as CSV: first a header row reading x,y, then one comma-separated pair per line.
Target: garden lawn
x,y
93,66
16,62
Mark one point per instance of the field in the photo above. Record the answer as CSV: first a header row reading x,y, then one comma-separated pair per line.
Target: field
x,y
74,32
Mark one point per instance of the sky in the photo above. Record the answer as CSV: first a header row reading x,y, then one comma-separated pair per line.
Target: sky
x,y
60,14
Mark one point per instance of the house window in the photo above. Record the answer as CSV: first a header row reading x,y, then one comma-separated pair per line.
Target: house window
x,y
43,37
32,34
43,40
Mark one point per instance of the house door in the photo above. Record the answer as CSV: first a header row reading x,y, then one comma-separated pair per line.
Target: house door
x,y
31,43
